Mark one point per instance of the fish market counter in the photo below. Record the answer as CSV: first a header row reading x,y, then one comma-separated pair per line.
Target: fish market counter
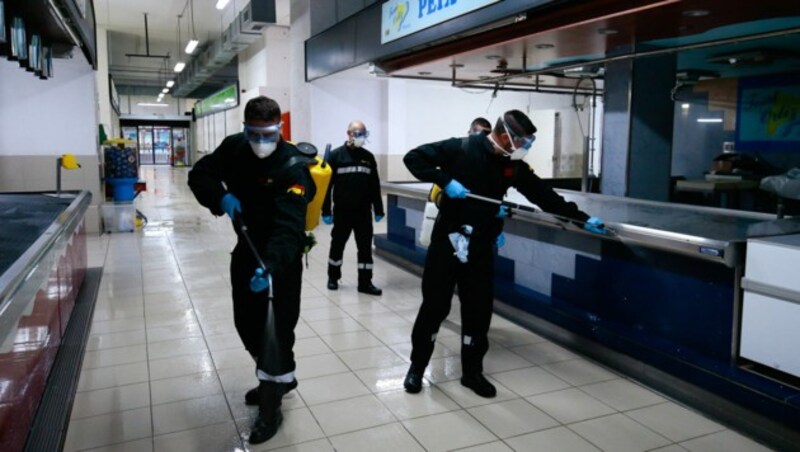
x,y
42,267
659,298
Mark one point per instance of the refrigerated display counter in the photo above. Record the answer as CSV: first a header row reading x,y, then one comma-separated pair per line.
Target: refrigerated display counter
x,y
42,267
660,297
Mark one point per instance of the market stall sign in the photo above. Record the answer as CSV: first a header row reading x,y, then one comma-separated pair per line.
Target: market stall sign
x,y
222,100
403,17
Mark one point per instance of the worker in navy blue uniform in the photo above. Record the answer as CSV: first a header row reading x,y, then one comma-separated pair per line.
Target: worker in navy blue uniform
x,y
355,195
486,165
249,178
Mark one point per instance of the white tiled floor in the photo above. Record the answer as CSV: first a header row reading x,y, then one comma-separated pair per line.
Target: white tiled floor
x,y
164,369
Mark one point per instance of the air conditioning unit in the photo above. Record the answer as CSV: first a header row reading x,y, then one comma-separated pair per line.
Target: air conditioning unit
x,y
257,15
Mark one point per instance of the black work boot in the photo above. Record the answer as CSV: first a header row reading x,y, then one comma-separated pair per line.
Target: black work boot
x,y
478,383
365,283
269,411
251,397
369,289
334,273
413,381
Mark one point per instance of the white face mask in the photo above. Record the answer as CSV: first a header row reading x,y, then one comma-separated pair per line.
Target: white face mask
x,y
263,150
518,153
358,142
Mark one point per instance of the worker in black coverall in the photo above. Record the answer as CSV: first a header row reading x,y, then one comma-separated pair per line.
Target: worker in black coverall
x,y
248,177
355,191
486,165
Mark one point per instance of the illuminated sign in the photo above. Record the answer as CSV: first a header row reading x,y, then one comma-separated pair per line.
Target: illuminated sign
x,y
404,17
222,100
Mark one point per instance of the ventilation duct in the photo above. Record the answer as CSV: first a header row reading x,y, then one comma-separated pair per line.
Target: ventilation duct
x,y
245,29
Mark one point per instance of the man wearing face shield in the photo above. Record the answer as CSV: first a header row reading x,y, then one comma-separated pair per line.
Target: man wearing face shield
x,y
466,232
250,179
353,196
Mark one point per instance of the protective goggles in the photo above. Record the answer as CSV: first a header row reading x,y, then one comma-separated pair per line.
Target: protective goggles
x,y
519,141
269,134
359,133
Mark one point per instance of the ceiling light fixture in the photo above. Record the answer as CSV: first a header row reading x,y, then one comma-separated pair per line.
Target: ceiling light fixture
x,y
544,46
194,41
709,120
608,31
221,4
180,64
685,106
165,90
152,104
170,83
696,13
191,46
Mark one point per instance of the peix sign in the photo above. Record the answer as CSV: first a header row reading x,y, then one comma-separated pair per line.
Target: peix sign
x,y
403,17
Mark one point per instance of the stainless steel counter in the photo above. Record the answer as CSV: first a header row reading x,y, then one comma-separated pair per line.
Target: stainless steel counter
x,y
703,232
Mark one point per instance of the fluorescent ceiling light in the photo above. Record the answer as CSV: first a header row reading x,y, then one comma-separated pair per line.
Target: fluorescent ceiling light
x,y
170,83
221,4
685,106
709,119
191,46
165,90
179,66
152,104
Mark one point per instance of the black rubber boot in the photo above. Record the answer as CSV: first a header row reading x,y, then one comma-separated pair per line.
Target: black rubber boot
x,y
365,283
269,412
251,397
413,381
333,284
478,383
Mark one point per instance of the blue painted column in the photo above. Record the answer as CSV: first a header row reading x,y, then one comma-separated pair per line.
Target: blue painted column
x,y
637,128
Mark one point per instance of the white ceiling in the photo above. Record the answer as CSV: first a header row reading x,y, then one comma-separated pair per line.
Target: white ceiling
x,y
124,20
126,16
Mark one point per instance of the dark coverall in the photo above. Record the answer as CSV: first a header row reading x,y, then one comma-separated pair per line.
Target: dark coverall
x,y
471,162
273,199
355,190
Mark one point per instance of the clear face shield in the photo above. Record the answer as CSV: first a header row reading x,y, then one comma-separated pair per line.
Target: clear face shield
x,y
269,134
520,144
358,137
263,140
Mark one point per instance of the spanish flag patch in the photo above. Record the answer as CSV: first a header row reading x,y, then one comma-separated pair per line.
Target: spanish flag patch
x,y
297,189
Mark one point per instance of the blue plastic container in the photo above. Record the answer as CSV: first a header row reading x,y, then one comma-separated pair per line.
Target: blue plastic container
x,y
123,188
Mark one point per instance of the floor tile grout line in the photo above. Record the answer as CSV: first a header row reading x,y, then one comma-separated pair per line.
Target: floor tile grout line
x,y
205,341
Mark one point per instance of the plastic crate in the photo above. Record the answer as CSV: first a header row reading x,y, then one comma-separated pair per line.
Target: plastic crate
x,y
118,217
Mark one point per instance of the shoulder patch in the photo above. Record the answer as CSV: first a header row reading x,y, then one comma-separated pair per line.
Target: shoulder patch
x,y
297,189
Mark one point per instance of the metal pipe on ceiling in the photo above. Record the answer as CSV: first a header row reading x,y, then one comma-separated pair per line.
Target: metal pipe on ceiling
x,y
645,53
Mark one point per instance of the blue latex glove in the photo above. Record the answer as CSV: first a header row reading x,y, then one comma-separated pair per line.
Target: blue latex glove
x,y
595,225
455,190
501,240
378,218
230,204
327,219
259,282
503,212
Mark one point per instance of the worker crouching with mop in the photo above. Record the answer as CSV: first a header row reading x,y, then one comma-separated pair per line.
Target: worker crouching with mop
x,y
467,232
248,177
